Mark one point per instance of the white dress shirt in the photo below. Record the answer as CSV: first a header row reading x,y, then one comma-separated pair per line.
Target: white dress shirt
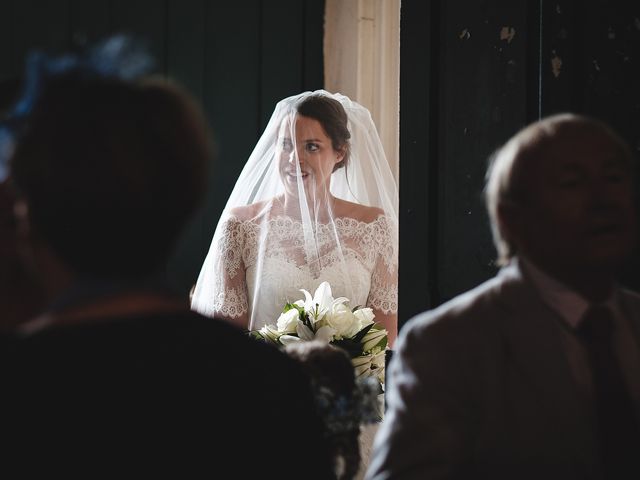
x,y
571,307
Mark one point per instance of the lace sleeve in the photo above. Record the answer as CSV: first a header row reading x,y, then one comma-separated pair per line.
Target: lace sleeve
x,y
221,290
231,292
383,295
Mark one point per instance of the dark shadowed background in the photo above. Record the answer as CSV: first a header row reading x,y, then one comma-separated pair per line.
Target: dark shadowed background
x,y
472,73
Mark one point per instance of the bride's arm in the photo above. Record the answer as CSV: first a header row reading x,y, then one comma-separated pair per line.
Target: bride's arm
x,y
230,287
388,321
383,296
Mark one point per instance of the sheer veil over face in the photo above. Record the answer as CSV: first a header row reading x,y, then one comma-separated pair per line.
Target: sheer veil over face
x,y
316,201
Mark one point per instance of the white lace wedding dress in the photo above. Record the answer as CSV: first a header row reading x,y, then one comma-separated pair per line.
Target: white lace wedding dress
x,y
263,266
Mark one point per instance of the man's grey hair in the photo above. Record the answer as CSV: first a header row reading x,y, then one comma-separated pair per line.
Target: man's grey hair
x,y
509,164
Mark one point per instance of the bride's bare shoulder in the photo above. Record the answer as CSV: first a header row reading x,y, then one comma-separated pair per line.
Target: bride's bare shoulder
x,y
249,212
362,213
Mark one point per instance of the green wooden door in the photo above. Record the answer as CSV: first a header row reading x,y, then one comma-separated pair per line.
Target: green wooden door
x,y
238,58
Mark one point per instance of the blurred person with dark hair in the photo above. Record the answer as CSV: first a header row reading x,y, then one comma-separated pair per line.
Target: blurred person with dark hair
x,y
118,375
345,403
21,294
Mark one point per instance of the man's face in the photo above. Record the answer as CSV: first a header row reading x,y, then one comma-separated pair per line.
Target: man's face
x,y
578,212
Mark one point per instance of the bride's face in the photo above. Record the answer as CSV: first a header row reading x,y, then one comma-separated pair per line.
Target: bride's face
x,y
306,153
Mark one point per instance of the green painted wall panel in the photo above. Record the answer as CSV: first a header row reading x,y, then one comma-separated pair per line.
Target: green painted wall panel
x,y
228,55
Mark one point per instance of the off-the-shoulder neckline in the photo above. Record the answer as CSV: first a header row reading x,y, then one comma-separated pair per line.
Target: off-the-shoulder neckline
x,y
380,217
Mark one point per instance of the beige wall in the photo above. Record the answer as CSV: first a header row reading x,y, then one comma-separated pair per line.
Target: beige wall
x,y
362,61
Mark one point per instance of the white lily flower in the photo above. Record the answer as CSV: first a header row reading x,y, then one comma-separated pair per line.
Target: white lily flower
x,y
304,332
329,320
287,321
339,301
287,339
318,305
325,333
308,300
270,333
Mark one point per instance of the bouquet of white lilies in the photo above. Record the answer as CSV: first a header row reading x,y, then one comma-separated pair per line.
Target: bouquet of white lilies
x,y
321,317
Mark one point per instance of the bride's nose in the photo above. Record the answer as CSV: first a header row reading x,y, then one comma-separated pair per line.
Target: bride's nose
x,y
294,158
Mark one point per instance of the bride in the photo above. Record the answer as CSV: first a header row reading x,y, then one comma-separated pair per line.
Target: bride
x,y
315,202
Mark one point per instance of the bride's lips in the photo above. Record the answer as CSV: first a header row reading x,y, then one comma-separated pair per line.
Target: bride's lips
x,y
294,174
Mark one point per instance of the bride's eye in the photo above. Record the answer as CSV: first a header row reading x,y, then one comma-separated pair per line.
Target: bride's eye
x,y
286,145
313,147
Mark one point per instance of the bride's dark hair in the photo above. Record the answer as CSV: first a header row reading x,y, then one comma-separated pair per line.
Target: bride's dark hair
x,y
333,118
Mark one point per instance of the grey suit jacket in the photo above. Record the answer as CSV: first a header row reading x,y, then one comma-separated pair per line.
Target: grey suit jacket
x,y
481,388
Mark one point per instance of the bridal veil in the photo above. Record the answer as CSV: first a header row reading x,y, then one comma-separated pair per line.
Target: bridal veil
x,y
283,229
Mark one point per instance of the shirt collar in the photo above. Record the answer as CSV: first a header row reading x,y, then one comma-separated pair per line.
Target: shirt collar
x,y
569,304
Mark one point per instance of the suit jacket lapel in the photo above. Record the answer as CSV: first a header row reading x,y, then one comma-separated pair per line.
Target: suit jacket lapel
x,y
631,310
632,313
534,336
